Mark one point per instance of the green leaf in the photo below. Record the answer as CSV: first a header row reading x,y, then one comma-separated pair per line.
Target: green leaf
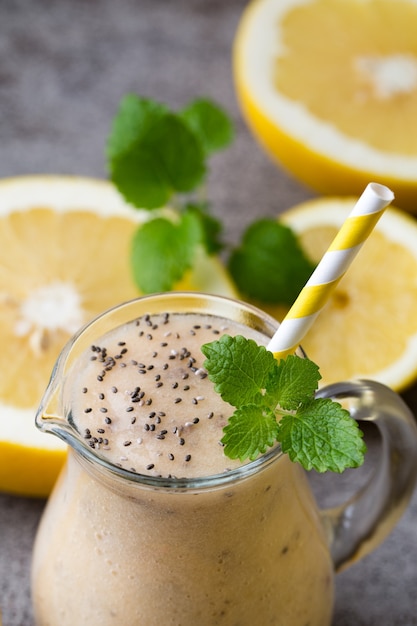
x,y
317,433
322,436
292,382
210,123
152,153
270,265
239,368
250,431
163,250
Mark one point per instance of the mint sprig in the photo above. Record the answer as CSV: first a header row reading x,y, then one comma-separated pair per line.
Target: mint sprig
x,y
275,402
154,153
155,156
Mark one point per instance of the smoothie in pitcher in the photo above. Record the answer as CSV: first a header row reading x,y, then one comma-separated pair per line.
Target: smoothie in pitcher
x,y
112,552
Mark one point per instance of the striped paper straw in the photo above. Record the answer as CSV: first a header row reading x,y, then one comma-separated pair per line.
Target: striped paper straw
x,y
331,268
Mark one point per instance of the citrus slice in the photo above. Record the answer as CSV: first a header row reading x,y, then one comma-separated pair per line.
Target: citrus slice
x,y
330,91
368,328
64,258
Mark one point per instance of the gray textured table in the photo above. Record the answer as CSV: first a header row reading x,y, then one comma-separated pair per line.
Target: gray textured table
x,y
63,69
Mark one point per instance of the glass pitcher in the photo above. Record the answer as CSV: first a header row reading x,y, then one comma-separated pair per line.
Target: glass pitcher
x,y
246,546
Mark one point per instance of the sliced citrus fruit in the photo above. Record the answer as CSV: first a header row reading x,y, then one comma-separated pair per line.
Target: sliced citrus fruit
x,y
64,258
330,90
368,329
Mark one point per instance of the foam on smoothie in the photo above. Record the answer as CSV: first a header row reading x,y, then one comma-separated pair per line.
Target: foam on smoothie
x,y
144,401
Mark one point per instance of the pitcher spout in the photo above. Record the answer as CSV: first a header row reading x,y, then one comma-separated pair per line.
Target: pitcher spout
x,y
50,419
51,416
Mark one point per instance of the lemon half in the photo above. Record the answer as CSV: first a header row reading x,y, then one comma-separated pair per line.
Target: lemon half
x,y
64,258
330,91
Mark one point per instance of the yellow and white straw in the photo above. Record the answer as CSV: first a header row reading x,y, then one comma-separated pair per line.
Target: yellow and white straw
x,y
331,268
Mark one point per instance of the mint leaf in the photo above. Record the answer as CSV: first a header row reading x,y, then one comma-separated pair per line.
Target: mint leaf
x,y
239,368
152,153
293,382
163,250
251,430
210,123
270,265
322,436
275,402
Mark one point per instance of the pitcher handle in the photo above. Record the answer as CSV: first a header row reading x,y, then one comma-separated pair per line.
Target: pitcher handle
x,y
357,526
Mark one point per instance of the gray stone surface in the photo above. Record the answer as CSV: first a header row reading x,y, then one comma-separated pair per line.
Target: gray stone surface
x,y
64,66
